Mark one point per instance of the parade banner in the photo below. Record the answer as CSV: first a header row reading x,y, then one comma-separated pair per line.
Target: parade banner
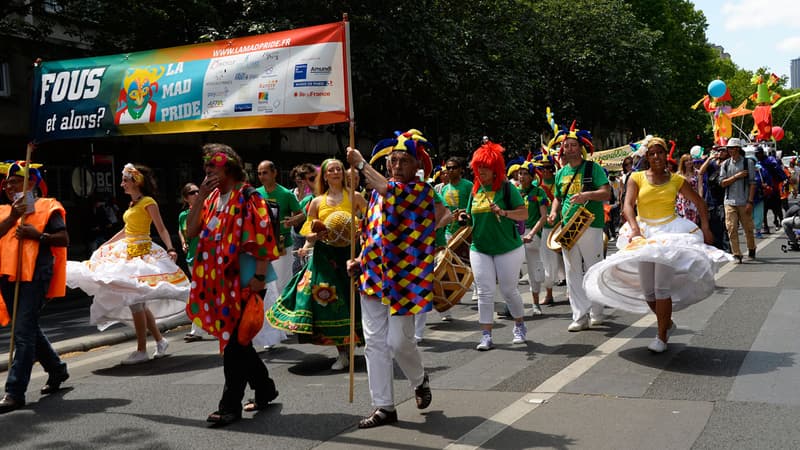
x,y
286,79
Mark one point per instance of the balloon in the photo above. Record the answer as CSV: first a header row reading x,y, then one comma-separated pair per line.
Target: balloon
x,y
696,152
777,133
717,88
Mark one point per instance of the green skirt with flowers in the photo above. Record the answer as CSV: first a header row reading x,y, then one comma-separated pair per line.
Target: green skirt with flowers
x,y
316,303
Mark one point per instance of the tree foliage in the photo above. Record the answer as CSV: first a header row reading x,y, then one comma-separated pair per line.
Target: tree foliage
x,y
461,70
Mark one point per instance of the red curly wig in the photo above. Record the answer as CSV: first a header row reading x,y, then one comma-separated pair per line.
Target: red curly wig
x,y
489,155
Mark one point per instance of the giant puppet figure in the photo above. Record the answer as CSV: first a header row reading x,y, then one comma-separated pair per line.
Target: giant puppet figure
x,y
766,101
721,113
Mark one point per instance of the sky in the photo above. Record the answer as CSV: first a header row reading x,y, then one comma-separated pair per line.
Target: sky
x,y
756,33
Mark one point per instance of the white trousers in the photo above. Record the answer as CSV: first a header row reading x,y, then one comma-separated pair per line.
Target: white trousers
x,y
584,254
490,270
387,337
552,262
534,263
283,269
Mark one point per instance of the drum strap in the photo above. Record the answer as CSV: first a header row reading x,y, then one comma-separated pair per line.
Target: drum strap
x,y
586,171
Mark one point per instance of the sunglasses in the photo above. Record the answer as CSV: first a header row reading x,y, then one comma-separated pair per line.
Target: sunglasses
x,y
312,179
195,192
452,167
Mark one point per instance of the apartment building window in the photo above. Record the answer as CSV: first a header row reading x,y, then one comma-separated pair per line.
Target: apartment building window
x,y
5,82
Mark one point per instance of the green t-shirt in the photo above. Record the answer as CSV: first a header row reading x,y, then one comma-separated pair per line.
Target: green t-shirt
x,y
492,234
440,240
534,197
456,197
563,178
287,206
192,242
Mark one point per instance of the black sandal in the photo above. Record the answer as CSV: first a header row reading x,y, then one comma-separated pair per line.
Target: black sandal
x,y
220,418
378,417
255,405
423,393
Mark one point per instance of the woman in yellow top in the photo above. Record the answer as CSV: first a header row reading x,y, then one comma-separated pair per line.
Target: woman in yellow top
x,y
132,279
315,304
663,262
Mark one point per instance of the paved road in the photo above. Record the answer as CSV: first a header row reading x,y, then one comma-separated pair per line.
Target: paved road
x,y
731,379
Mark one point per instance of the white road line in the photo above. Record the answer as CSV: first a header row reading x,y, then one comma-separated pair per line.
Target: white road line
x,y
492,426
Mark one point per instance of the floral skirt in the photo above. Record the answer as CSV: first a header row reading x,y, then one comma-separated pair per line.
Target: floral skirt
x,y
316,303
675,242
117,282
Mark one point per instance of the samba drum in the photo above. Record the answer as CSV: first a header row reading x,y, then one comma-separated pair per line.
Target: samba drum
x,y
567,235
460,242
451,280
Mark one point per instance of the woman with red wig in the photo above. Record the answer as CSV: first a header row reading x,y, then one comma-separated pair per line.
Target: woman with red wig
x,y
496,252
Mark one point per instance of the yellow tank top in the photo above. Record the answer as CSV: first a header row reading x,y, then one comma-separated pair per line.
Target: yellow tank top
x,y
137,219
656,201
325,210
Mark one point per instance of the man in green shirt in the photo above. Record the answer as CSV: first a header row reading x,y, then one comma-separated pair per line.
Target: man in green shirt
x,y
289,213
580,182
456,195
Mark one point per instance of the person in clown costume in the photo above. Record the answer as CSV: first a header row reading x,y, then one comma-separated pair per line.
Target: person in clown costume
x,y
663,264
132,279
233,259
396,265
41,233
580,182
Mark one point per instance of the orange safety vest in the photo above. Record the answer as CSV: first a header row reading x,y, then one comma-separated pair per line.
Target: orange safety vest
x,y
9,248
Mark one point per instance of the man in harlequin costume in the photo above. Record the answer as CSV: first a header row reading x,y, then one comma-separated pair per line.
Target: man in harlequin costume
x,y
580,182
233,255
396,266
43,233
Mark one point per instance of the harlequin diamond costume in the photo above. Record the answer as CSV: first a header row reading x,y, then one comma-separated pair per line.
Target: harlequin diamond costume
x,y
397,262
131,271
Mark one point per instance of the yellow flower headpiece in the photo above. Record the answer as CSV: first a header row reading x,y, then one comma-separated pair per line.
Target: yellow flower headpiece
x,y
132,173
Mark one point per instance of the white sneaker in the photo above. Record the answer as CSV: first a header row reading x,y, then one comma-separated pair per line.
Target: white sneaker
x,y
447,318
486,343
519,334
342,362
537,310
417,340
136,357
657,346
596,320
578,325
161,348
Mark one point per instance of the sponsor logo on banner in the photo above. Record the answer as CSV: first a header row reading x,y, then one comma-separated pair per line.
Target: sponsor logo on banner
x,y
321,70
263,97
215,104
300,71
310,83
242,107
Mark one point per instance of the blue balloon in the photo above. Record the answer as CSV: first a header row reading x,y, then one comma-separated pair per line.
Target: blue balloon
x,y
717,88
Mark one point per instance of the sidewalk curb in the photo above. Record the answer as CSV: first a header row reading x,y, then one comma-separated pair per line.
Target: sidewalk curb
x,y
99,339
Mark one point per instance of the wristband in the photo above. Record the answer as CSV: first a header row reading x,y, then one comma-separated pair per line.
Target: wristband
x,y
171,250
260,277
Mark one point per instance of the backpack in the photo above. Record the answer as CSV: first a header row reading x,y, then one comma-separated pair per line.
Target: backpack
x,y
273,210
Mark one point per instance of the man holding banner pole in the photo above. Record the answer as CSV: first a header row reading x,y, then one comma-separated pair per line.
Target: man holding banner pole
x,y
33,241
396,266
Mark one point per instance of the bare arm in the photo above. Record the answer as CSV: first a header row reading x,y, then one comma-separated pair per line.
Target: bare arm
x,y
372,176
160,228
443,215
632,194
702,209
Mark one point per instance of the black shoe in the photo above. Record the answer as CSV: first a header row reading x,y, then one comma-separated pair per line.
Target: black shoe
x,y
378,417
54,381
738,258
221,418
423,393
8,404
751,254
257,405
561,283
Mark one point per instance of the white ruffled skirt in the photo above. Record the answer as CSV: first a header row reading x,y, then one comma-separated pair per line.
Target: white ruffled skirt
x,y
672,241
117,282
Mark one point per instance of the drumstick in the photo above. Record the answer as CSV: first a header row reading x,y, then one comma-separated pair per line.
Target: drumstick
x,y
490,202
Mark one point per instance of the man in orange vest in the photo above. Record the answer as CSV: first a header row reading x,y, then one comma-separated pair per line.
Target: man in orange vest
x,y
37,227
